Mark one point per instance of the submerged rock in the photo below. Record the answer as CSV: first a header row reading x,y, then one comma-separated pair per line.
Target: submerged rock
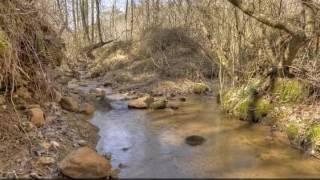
x,y
183,99
141,103
173,105
195,140
70,104
85,163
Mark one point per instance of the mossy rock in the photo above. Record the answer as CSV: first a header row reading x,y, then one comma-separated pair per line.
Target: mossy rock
x,y
159,104
238,95
262,108
289,90
199,88
237,101
292,132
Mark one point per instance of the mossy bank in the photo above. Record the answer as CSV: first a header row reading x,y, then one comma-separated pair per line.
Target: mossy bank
x,y
283,105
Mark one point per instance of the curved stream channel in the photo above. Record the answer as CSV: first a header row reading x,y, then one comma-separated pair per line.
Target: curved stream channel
x,y
151,144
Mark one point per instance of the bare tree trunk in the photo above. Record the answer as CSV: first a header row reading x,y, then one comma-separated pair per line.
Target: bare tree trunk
x,y
66,14
78,13
98,20
126,19
74,20
148,12
132,16
92,21
84,16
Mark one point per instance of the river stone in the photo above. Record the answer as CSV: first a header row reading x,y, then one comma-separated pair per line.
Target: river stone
x,y
100,92
46,161
141,103
37,117
183,99
85,163
195,140
159,104
70,104
87,109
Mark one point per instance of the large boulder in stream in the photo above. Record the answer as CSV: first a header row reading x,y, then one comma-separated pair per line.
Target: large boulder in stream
x,y
70,104
85,163
141,103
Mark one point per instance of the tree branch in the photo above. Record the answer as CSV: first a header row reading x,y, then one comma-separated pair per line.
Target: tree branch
x,y
289,28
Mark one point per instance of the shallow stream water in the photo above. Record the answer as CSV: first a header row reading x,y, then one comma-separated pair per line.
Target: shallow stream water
x,y
151,144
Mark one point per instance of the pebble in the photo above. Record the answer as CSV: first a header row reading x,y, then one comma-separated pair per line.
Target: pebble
x,y
122,166
82,142
46,160
55,144
45,145
34,175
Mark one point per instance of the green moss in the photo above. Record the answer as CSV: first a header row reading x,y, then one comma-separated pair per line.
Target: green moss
x,y
263,107
200,88
292,131
314,133
237,100
4,44
241,110
289,90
